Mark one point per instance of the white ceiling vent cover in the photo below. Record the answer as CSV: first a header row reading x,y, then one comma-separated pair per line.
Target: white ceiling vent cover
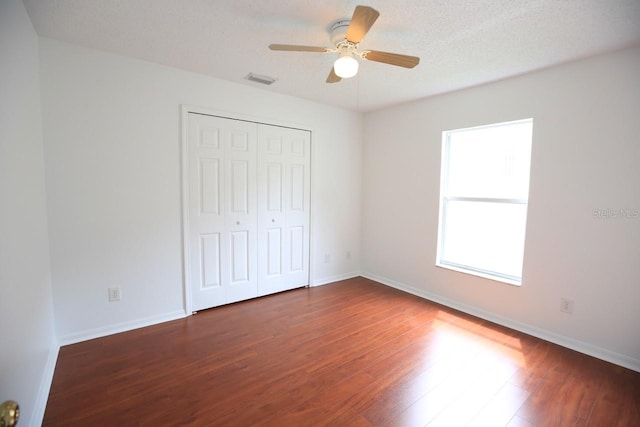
x,y
265,80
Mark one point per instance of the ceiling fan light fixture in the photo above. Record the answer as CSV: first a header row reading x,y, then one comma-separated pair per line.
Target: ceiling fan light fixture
x,y
346,66
346,35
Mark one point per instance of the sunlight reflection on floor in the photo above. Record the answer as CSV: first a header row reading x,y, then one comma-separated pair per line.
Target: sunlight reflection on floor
x,y
467,381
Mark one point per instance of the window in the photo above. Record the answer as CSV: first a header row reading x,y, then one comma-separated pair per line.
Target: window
x,y
484,193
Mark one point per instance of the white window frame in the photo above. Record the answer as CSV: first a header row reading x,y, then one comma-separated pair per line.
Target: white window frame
x,y
444,200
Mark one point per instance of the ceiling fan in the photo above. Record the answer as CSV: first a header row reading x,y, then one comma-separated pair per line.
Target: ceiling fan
x,y
346,35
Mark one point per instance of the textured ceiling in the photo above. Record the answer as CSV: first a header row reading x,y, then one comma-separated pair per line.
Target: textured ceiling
x,y
461,43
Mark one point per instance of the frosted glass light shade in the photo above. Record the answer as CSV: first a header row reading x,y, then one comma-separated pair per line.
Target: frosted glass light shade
x,y
346,66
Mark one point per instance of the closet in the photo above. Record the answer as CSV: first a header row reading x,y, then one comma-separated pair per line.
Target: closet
x,y
247,209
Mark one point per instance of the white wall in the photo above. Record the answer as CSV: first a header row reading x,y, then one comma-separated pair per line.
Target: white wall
x,y
112,149
29,349
586,156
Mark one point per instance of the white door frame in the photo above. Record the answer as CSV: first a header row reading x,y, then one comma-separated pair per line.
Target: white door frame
x,y
184,162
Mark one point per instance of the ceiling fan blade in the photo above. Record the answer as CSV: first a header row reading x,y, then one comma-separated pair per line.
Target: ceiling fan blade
x,y
361,21
405,61
333,77
296,48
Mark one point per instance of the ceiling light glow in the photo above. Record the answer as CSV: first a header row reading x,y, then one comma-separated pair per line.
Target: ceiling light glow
x,y
346,66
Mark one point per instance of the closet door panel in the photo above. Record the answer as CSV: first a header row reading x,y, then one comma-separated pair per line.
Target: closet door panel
x,y
283,205
222,213
241,214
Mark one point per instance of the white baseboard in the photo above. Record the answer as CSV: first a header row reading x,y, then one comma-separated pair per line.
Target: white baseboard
x,y
37,416
580,346
90,334
332,279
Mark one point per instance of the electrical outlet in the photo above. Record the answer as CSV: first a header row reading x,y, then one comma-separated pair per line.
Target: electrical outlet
x,y
349,255
114,294
327,258
566,305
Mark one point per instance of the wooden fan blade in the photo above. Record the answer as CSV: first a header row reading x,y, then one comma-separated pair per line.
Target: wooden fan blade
x,y
361,21
296,48
405,61
333,77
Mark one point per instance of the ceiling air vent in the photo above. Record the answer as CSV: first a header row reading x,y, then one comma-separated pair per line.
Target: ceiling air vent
x,y
265,80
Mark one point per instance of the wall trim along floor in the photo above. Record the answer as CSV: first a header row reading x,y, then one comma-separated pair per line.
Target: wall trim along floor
x,y
90,334
582,347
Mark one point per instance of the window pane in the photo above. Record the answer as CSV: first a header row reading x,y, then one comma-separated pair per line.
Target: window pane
x,y
486,236
490,162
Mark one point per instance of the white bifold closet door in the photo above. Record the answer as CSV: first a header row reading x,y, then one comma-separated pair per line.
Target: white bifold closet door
x,y
248,209
283,206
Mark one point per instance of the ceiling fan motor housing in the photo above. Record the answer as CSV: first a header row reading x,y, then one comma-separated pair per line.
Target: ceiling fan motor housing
x,y
338,31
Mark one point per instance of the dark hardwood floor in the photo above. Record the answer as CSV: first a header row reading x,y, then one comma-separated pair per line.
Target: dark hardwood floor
x,y
354,353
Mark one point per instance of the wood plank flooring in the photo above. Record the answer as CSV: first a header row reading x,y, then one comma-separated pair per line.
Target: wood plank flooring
x,y
353,353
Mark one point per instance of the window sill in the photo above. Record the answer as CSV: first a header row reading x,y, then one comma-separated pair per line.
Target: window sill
x,y
476,273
